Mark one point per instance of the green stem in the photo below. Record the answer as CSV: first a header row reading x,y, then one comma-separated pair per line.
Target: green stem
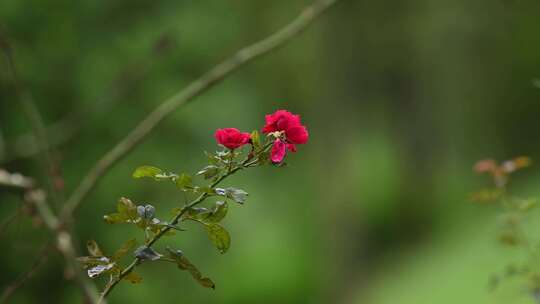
x,y
175,220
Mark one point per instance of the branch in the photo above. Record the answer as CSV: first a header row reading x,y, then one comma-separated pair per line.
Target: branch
x,y
66,128
15,181
37,196
196,88
2,145
245,164
34,117
7,222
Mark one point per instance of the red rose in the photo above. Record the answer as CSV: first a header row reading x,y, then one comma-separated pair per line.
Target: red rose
x,y
281,120
231,138
293,132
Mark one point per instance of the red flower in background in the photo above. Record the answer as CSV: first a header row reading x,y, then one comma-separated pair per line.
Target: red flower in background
x,y
292,133
232,138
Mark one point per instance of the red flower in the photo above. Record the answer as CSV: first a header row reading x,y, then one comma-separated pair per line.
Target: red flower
x,y
281,120
231,138
292,132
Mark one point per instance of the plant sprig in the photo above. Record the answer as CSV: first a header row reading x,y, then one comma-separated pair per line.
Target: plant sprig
x,y
221,165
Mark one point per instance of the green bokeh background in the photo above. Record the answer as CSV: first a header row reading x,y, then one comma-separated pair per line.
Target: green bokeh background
x,y
401,97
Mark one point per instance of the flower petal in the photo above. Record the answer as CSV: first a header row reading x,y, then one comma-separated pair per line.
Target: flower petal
x,y
278,151
291,147
297,135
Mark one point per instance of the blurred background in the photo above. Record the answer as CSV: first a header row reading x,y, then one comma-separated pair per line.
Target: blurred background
x,y
400,98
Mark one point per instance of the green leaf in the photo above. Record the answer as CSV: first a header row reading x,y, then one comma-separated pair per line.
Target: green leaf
x,y
146,171
237,195
164,175
155,225
93,249
114,218
126,247
256,140
127,209
219,237
197,213
218,213
212,158
209,171
183,181
184,264
206,216
133,277
205,189
264,158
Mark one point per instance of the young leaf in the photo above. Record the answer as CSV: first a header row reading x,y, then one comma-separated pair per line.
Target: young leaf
x,y
114,218
256,140
219,237
147,253
209,171
205,189
197,213
91,261
126,247
165,175
147,171
237,195
264,157
127,213
220,191
133,277
183,181
93,249
218,213
212,159
127,208
99,269
184,264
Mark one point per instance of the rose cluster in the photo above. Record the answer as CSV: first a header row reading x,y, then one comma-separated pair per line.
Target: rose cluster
x,y
283,127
